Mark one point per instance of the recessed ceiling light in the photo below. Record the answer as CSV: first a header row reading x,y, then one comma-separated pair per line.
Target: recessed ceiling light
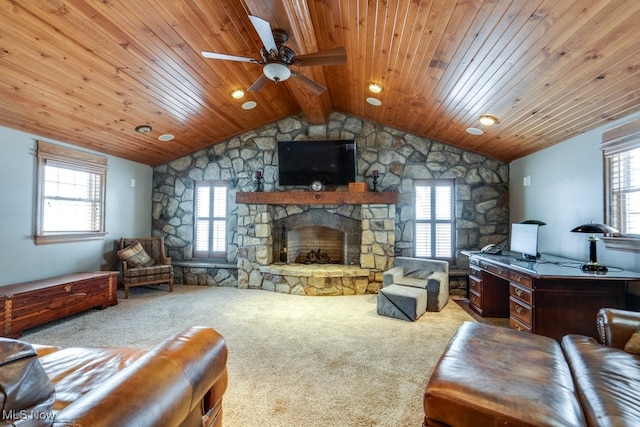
x,y
374,101
375,87
166,137
143,129
237,93
488,120
475,131
249,105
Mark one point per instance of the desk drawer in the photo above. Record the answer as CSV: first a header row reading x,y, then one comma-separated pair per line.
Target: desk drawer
x,y
520,278
518,325
520,311
523,294
475,284
498,271
475,301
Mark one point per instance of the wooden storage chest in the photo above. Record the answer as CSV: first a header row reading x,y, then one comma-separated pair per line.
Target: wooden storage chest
x,y
29,304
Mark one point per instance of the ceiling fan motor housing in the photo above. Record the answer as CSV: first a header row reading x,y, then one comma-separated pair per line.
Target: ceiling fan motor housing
x,y
277,63
279,36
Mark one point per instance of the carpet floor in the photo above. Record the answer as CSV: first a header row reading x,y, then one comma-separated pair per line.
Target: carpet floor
x,y
293,360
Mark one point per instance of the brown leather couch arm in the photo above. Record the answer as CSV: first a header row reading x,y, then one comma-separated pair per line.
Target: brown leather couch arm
x,y
175,384
615,326
43,349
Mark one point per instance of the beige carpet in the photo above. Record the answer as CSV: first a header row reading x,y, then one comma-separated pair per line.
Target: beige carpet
x,y
293,360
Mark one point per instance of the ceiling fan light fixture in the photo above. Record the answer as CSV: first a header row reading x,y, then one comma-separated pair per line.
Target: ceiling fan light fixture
x,y
276,72
488,120
237,93
375,87
142,129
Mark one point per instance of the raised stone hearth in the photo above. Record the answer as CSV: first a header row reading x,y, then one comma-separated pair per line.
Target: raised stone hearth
x,y
317,279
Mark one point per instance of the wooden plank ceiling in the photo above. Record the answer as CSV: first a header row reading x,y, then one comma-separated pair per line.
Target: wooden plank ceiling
x,y
88,72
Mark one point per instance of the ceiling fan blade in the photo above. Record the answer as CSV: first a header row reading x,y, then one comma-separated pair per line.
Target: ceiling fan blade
x,y
225,57
264,31
258,84
313,87
334,56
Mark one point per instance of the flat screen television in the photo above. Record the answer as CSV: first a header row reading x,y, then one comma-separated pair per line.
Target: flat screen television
x,y
524,240
332,162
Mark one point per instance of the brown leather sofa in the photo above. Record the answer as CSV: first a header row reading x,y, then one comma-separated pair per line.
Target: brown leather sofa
x,y
490,376
180,382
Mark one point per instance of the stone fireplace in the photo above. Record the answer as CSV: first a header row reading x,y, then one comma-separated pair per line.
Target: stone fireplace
x,y
319,236
358,239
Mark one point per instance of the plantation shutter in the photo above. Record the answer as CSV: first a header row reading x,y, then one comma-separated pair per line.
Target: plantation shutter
x,y
210,240
434,219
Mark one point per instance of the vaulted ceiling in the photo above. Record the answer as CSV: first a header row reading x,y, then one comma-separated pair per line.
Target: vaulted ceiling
x,y
89,72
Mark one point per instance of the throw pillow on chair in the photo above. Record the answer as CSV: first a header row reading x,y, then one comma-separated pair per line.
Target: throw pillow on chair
x,y
135,256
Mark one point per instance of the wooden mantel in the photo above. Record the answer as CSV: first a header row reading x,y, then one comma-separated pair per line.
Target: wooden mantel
x,y
317,198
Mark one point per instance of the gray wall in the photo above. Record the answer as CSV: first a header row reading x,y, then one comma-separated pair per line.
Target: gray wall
x,y
128,214
566,191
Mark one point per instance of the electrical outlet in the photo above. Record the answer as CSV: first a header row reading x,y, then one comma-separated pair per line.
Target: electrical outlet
x,y
526,181
133,183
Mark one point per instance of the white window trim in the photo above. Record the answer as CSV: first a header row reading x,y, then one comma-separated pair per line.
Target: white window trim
x,y
74,159
619,139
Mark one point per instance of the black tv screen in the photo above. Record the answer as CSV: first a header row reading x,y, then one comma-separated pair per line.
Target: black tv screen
x,y
332,162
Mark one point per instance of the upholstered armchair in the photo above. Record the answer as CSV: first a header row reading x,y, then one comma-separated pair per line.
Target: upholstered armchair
x,y
429,274
144,263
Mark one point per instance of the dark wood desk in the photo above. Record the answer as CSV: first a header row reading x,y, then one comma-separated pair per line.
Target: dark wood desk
x,y
551,296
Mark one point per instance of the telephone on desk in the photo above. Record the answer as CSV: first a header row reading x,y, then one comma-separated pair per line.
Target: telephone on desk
x,y
492,249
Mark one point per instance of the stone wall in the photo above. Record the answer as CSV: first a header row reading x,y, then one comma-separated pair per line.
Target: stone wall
x,y
482,215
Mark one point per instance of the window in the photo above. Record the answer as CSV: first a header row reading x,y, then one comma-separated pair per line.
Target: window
x,y
434,235
70,195
210,240
621,149
624,182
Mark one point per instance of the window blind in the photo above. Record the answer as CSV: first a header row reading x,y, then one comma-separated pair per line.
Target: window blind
x,y
621,149
624,182
71,200
70,194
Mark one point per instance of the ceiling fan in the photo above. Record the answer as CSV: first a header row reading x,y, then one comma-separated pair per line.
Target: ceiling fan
x,y
277,58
